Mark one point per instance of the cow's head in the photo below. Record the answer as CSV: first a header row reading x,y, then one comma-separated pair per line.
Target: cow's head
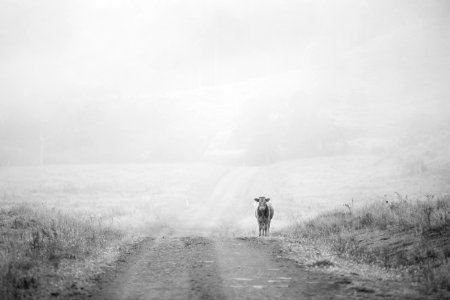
x,y
262,202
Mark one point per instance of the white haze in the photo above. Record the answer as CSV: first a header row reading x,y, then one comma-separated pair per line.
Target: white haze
x,y
253,82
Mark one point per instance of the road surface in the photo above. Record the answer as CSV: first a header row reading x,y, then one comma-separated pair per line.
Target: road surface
x,y
230,268
201,258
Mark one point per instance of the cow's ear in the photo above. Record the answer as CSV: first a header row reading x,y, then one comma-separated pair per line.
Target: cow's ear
x,y
257,199
267,199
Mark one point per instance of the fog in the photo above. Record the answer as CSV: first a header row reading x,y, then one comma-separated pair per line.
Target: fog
x,y
252,82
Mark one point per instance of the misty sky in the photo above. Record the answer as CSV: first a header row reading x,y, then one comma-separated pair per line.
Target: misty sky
x,y
54,52
149,46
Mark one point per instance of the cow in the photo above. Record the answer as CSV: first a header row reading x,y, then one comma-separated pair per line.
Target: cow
x,y
264,214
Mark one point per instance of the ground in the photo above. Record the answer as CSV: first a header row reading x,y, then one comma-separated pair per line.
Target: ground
x,y
209,254
196,232
195,267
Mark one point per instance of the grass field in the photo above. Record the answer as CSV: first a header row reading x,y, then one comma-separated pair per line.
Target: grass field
x,y
61,226
304,188
371,212
411,237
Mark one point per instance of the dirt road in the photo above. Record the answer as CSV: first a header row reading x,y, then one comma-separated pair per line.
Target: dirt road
x,y
199,258
230,268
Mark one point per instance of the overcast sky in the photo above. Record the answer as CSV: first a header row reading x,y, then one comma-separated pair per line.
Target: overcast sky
x,y
57,52
154,46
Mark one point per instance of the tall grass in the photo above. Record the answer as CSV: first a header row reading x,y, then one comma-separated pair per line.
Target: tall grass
x,y
413,236
43,251
62,225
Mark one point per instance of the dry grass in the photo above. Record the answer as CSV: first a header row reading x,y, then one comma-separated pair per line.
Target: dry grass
x,y
95,210
302,189
61,226
410,236
42,251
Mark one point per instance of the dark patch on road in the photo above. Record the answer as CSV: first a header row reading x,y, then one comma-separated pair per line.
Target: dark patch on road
x,y
362,289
